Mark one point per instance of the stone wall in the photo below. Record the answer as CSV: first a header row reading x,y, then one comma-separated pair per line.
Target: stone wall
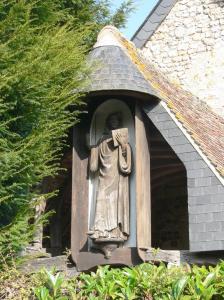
x,y
188,47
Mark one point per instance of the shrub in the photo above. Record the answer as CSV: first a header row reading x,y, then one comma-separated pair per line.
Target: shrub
x,y
42,60
146,282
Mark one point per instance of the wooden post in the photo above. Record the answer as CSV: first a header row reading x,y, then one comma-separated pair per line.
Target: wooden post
x,y
143,192
80,193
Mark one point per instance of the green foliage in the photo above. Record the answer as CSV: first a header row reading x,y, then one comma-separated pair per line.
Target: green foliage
x,y
179,286
42,293
146,282
43,46
202,284
97,13
52,290
17,285
40,64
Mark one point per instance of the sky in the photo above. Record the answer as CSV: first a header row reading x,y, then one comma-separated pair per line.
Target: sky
x,y
143,8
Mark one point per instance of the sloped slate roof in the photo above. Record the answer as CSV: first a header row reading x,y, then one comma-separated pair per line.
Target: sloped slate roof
x,y
152,22
123,67
114,71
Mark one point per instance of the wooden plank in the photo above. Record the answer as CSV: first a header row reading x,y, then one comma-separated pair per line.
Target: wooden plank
x,y
59,263
143,192
121,256
158,255
80,192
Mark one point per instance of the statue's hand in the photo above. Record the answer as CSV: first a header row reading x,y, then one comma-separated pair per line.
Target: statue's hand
x,y
120,139
121,142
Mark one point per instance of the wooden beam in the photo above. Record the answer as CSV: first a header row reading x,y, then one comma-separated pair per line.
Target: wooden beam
x,y
121,256
143,186
158,255
80,192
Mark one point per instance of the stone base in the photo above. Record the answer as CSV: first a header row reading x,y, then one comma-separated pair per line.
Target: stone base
x,y
34,250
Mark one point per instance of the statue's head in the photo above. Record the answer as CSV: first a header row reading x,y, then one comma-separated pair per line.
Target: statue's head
x,y
114,121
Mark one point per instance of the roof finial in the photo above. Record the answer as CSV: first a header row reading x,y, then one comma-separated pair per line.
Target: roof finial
x,y
108,36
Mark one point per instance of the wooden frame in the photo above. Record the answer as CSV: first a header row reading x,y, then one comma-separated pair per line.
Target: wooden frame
x,y
83,258
143,190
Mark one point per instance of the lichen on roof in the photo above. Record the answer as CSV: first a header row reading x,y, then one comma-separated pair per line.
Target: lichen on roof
x,y
204,126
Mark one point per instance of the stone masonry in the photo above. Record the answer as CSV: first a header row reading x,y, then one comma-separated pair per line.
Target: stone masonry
x,y
188,47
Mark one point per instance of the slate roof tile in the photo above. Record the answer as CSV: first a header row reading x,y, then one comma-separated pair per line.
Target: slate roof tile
x,y
205,126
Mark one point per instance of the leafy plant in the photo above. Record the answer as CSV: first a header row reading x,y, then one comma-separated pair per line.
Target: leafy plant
x,y
143,282
202,283
42,293
178,287
52,289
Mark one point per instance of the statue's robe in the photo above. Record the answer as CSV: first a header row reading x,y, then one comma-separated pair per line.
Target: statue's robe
x,y
111,220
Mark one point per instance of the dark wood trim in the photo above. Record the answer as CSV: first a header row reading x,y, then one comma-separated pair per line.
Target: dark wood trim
x,y
121,256
143,186
80,192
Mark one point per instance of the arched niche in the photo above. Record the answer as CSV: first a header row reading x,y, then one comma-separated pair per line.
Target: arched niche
x,y
97,129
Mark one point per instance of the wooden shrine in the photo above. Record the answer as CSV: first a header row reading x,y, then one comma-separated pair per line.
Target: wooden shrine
x,y
86,251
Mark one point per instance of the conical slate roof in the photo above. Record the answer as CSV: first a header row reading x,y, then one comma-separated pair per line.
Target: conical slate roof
x,y
115,71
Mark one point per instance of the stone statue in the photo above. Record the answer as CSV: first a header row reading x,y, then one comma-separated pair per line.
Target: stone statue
x,y
110,161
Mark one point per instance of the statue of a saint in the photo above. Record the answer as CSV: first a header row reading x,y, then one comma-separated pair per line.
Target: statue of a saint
x,y
110,160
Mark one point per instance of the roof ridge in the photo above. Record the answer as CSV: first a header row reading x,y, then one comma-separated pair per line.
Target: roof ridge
x,y
152,22
108,36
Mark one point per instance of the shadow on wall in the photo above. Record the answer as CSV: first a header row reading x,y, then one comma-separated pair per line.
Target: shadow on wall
x,y
57,234
169,205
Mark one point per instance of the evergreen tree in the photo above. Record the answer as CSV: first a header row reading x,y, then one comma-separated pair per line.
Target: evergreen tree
x,y
43,45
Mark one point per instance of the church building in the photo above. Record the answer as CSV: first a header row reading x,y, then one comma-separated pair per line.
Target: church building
x,y
146,163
